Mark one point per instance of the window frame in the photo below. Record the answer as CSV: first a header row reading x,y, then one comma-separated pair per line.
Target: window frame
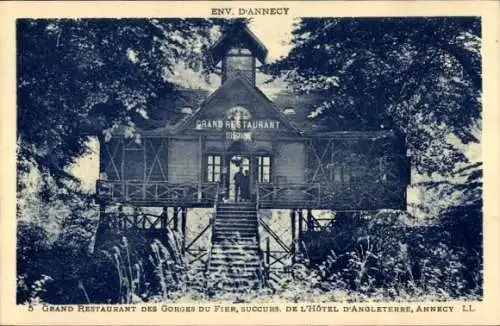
x,y
213,170
261,168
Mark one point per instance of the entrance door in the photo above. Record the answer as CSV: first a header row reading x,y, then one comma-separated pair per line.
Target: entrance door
x,y
258,169
237,163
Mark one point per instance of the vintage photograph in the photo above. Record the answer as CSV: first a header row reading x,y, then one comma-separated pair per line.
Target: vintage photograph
x,y
333,159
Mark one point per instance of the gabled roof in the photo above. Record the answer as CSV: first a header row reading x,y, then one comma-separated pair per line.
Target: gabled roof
x,y
238,34
167,109
227,84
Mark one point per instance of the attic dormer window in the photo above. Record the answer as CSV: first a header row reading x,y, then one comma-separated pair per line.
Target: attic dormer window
x,y
289,111
187,110
239,51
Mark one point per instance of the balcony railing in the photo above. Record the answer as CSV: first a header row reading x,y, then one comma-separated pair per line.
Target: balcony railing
x,y
157,192
336,196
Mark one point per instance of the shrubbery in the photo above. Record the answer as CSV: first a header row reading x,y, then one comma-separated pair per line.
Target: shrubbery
x,y
374,258
383,258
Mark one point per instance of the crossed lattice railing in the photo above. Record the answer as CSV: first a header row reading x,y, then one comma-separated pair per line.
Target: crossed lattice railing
x,y
338,196
189,192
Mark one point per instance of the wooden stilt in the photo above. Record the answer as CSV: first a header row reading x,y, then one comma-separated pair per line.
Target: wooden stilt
x,y
268,259
310,221
183,227
293,223
103,227
120,222
176,218
268,252
301,217
164,218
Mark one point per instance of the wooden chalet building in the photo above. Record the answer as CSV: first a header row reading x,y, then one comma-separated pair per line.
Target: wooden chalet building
x,y
192,164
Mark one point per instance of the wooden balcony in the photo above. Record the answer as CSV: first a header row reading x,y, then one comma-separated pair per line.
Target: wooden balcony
x,y
335,196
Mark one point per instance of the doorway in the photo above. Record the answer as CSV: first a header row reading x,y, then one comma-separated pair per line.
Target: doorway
x,y
237,163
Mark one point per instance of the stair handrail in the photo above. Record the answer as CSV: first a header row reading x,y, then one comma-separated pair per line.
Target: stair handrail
x,y
212,223
264,269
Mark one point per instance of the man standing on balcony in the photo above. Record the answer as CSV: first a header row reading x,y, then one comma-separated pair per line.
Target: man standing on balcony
x,y
238,180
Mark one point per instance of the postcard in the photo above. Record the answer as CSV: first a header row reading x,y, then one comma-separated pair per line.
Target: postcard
x,y
250,163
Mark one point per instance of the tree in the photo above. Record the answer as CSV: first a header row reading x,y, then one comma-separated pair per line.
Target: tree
x,y
421,76
78,77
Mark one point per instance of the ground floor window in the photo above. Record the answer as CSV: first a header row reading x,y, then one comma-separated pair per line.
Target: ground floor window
x,y
213,168
264,168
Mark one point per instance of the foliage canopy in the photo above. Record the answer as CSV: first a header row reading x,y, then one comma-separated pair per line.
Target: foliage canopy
x,y
420,76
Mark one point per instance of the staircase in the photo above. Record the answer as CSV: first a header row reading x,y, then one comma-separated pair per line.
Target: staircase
x,y
235,259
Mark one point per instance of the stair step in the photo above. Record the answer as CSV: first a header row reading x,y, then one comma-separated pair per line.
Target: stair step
x,y
244,241
236,216
239,228
236,252
243,232
229,226
242,205
236,284
236,219
236,259
235,265
222,273
231,250
223,256
236,242
245,235
252,218
236,210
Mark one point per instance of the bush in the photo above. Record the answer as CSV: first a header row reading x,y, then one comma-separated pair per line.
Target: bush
x,y
389,259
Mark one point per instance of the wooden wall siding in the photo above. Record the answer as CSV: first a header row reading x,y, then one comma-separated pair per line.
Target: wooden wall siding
x,y
134,160
156,159
183,161
368,173
111,158
289,162
232,66
265,146
338,160
214,146
125,159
